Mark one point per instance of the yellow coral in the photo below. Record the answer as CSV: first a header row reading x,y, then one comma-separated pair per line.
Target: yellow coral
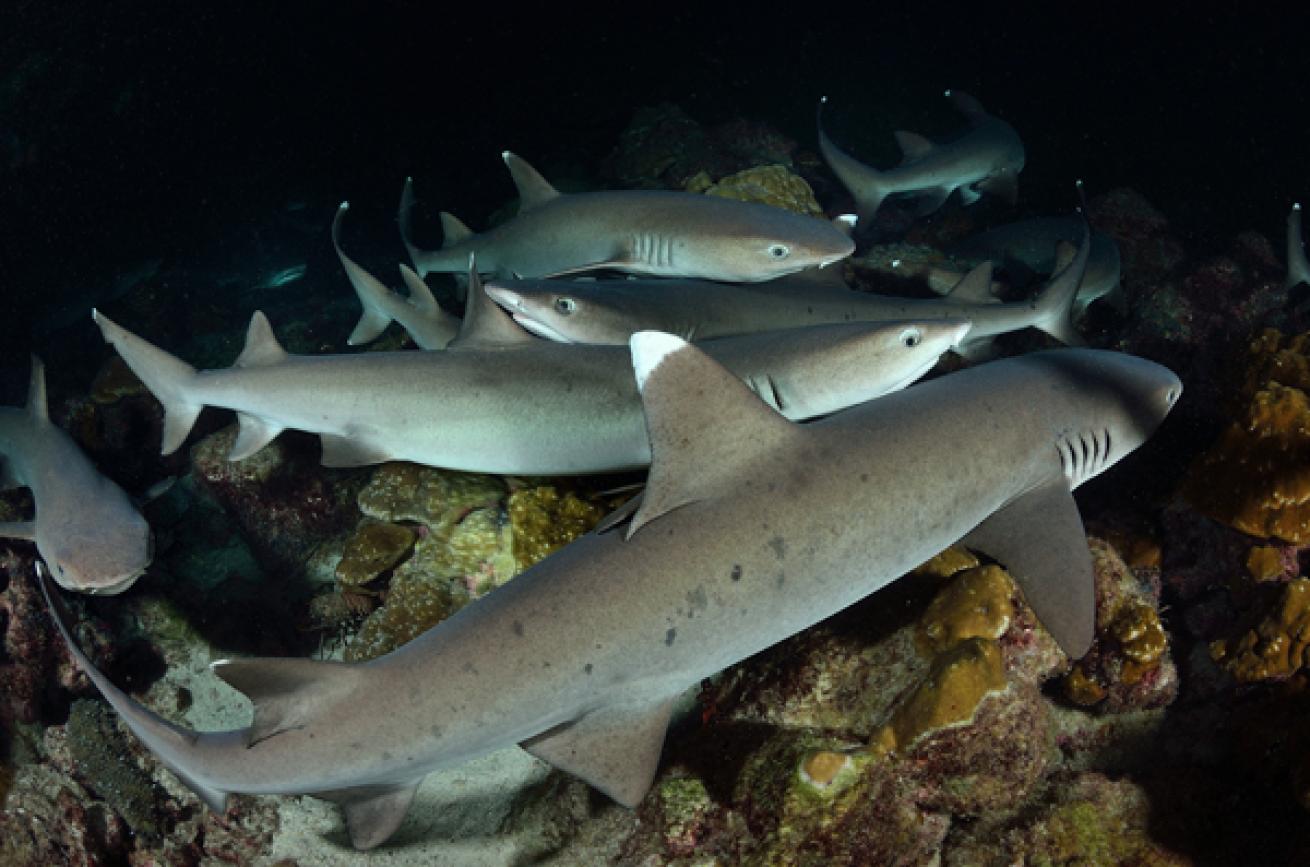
x,y
768,185
1081,689
374,549
1264,563
415,604
947,563
821,768
976,604
949,696
544,520
1141,639
1277,647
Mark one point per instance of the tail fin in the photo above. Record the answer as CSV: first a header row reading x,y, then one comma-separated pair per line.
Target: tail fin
x,y
1298,269
168,742
1055,301
865,184
454,232
167,377
36,394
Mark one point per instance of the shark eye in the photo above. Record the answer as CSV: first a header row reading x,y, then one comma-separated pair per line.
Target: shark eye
x,y
911,337
779,251
565,305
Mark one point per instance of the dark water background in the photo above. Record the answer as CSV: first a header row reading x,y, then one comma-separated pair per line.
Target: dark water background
x,y
137,131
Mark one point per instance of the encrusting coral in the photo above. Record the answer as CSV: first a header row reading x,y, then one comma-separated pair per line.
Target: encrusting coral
x,y
1277,647
768,185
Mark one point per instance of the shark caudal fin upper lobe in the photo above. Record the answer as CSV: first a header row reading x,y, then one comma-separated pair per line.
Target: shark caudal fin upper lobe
x,y
167,377
1055,304
1298,268
865,184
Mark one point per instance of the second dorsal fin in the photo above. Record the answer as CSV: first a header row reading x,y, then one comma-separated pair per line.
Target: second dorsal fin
x,y
704,424
262,348
534,190
913,146
974,287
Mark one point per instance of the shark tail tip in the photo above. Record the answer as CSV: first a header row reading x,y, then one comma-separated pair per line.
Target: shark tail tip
x,y
344,206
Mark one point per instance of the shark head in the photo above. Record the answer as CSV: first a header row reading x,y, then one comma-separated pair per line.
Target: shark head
x,y
1118,401
102,553
576,312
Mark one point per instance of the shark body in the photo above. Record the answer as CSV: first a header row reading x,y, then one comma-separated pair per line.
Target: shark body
x,y
751,529
610,312
86,529
502,401
987,158
636,231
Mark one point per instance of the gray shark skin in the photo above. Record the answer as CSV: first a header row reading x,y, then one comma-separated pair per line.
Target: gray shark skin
x,y
987,158
428,325
610,312
1298,268
752,528
86,529
503,401
1032,243
649,232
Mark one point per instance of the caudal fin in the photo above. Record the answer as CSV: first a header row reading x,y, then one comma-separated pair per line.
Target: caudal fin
x,y
454,233
1056,300
1298,269
865,184
167,377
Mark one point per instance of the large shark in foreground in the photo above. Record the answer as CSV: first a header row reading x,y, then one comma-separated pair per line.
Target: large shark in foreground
x,y
611,311
653,232
751,529
985,159
504,401
86,529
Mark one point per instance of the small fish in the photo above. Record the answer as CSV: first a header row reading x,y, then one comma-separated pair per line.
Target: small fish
x,y
284,277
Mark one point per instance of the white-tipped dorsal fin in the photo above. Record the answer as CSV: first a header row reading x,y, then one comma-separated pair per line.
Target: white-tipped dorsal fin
x,y
967,105
262,348
705,425
286,693
453,230
36,396
913,146
534,190
371,293
373,813
974,287
615,749
486,325
1298,267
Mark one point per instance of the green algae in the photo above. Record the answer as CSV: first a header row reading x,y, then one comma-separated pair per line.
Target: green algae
x,y
102,755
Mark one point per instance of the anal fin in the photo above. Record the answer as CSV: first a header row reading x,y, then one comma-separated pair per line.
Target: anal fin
x,y
1040,540
253,435
615,749
373,813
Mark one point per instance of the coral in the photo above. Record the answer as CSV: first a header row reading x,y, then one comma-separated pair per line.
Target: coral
x,y
544,520
1277,647
683,804
425,495
102,757
825,770
375,548
415,603
1270,562
947,563
769,185
977,604
1149,249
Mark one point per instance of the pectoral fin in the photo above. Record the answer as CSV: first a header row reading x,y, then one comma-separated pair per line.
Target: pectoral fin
x,y
615,749
373,813
1039,539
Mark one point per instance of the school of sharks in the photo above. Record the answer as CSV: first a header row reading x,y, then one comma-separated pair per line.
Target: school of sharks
x,y
795,464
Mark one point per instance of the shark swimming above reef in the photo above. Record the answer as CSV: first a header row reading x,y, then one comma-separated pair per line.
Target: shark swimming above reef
x,y
653,232
987,158
611,311
86,528
1298,268
501,401
751,529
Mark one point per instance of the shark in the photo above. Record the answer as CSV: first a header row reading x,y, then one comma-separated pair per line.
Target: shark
x,y
652,232
86,528
429,326
751,529
610,312
1298,268
986,158
501,401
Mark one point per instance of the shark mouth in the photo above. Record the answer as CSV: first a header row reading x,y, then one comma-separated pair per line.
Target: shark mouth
x,y
539,328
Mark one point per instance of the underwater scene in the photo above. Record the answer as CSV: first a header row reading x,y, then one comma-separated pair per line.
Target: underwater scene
x,y
653,437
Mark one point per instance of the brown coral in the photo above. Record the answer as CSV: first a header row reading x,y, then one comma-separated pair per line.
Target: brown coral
x,y
1276,647
767,185
373,550
544,520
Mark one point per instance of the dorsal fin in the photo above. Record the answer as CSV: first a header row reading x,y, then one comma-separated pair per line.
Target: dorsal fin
x,y
486,325
420,295
975,287
913,146
453,230
704,424
967,105
36,397
286,692
534,190
262,348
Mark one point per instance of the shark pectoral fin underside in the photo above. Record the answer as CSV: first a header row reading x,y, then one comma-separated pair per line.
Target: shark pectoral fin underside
x,y
286,692
913,146
974,287
25,530
253,434
931,199
534,190
339,451
373,813
615,749
1039,539
704,425
1003,185
486,324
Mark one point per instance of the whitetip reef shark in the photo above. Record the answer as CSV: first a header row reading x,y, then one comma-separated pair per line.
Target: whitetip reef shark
x,y
987,158
501,401
610,312
85,527
651,232
751,529
1298,268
